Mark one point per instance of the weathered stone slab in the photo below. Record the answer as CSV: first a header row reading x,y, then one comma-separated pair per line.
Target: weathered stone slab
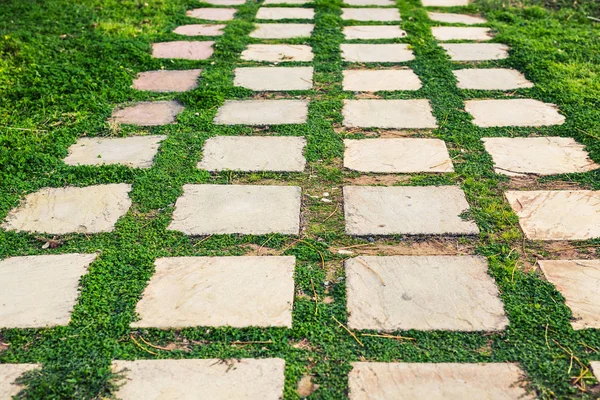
x,y
456,18
297,2
148,113
262,112
389,52
411,210
225,2
596,369
285,13
225,209
258,153
58,211
9,373
513,112
373,32
183,50
443,381
167,81
402,155
538,155
243,379
370,14
444,33
282,31
374,80
40,291
491,79
476,51
274,78
277,52
369,2
444,3
557,214
578,281
388,114
200,30
212,14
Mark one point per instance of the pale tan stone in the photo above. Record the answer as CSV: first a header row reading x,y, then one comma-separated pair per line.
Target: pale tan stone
x,y
58,211
183,50
456,18
373,32
538,155
596,369
388,114
411,210
476,51
262,112
285,13
200,30
369,2
444,33
225,2
40,291
167,81
389,52
148,113
440,381
277,52
282,31
491,79
9,373
226,209
297,2
402,155
214,379
274,78
444,3
513,112
557,214
213,14
374,80
370,14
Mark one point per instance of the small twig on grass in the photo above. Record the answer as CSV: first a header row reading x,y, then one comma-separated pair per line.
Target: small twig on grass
x,y
263,245
331,215
142,347
316,297
356,245
584,369
203,240
348,330
388,336
237,342
592,18
152,345
315,249
371,269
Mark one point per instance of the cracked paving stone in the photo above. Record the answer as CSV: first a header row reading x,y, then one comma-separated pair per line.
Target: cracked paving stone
x,y
388,114
212,14
167,81
200,30
373,32
491,79
183,50
456,18
285,13
374,80
9,373
388,52
370,14
274,78
282,31
513,112
444,33
148,113
262,112
476,51
277,52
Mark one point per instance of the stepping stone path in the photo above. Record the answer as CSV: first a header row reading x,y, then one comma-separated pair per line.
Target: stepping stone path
x,y
373,32
445,33
9,373
491,79
376,53
148,113
200,30
183,50
370,14
277,53
513,112
476,51
212,14
274,78
282,31
456,18
388,114
167,81
262,112
374,80
285,13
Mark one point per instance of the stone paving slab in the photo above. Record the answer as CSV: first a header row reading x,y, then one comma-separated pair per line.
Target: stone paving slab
x,y
245,209
40,291
219,291
409,210
444,33
134,151
371,80
422,292
183,50
212,14
557,214
148,113
200,30
476,51
90,209
370,14
262,112
369,2
260,153
513,112
282,31
297,2
225,2
595,369
388,114
277,52
274,78
439,381
167,80
491,79
9,373
389,52
456,18
444,3
239,379
538,155
285,13
578,281
373,32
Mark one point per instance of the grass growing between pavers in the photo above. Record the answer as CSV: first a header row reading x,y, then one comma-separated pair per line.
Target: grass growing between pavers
x,y
65,66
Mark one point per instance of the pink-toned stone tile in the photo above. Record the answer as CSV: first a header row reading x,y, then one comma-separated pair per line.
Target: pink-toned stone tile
x,y
148,113
183,50
167,81
212,14
200,30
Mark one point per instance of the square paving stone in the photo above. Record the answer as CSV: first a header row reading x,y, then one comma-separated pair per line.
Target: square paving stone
x,y
557,214
578,281
373,32
148,113
183,50
491,79
218,291
212,14
476,51
369,2
410,210
134,151
9,373
443,381
167,81
58,211
274,78
389,52
262,112
200,30
214,379
225,2
444,3
374,80
226,209
444,33
297,2
403,155
451,18
513,112
40,291
285,13
282,31
370,14
253,154
388,114
422,292
277,52
538,155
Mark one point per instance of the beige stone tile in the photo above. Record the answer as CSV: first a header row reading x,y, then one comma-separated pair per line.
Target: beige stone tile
x,y
40,291
445,3
491,79
388,114
389,52
274,78
90,209
370,14
200,30
557,214
9,373
282,31
410,210
513,112
444,33
297,2
225,2
277,52
285,13
538,155
373,32
183,50
262,112
369,2
596,369
212,14
148,113
226,209
167,81
456,18
476,51
374,80
215,379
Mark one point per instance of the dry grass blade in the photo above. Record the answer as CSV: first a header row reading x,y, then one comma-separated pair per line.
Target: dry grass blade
x,y
142,347
348,330
388,336
315,295
371,269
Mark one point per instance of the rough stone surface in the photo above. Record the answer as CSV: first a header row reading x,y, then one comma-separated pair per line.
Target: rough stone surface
x,y
58,211
259,153
200,30
183,50
369,2
240,379
402,155
297,2
274,78
225,2
370,14
557,214
444,3
444,381
412,210
285,13
389,52
444,33
538,155
491,79
373,32
148,113
167,81
134,151
513,112
225,209
277,52
8,374
219,291
476,51
282,31
40,291
596,369
388,114
262,112
212,14
578,281
373,80
456,18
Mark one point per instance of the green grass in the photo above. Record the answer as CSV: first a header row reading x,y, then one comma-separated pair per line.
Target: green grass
x,y
65,64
